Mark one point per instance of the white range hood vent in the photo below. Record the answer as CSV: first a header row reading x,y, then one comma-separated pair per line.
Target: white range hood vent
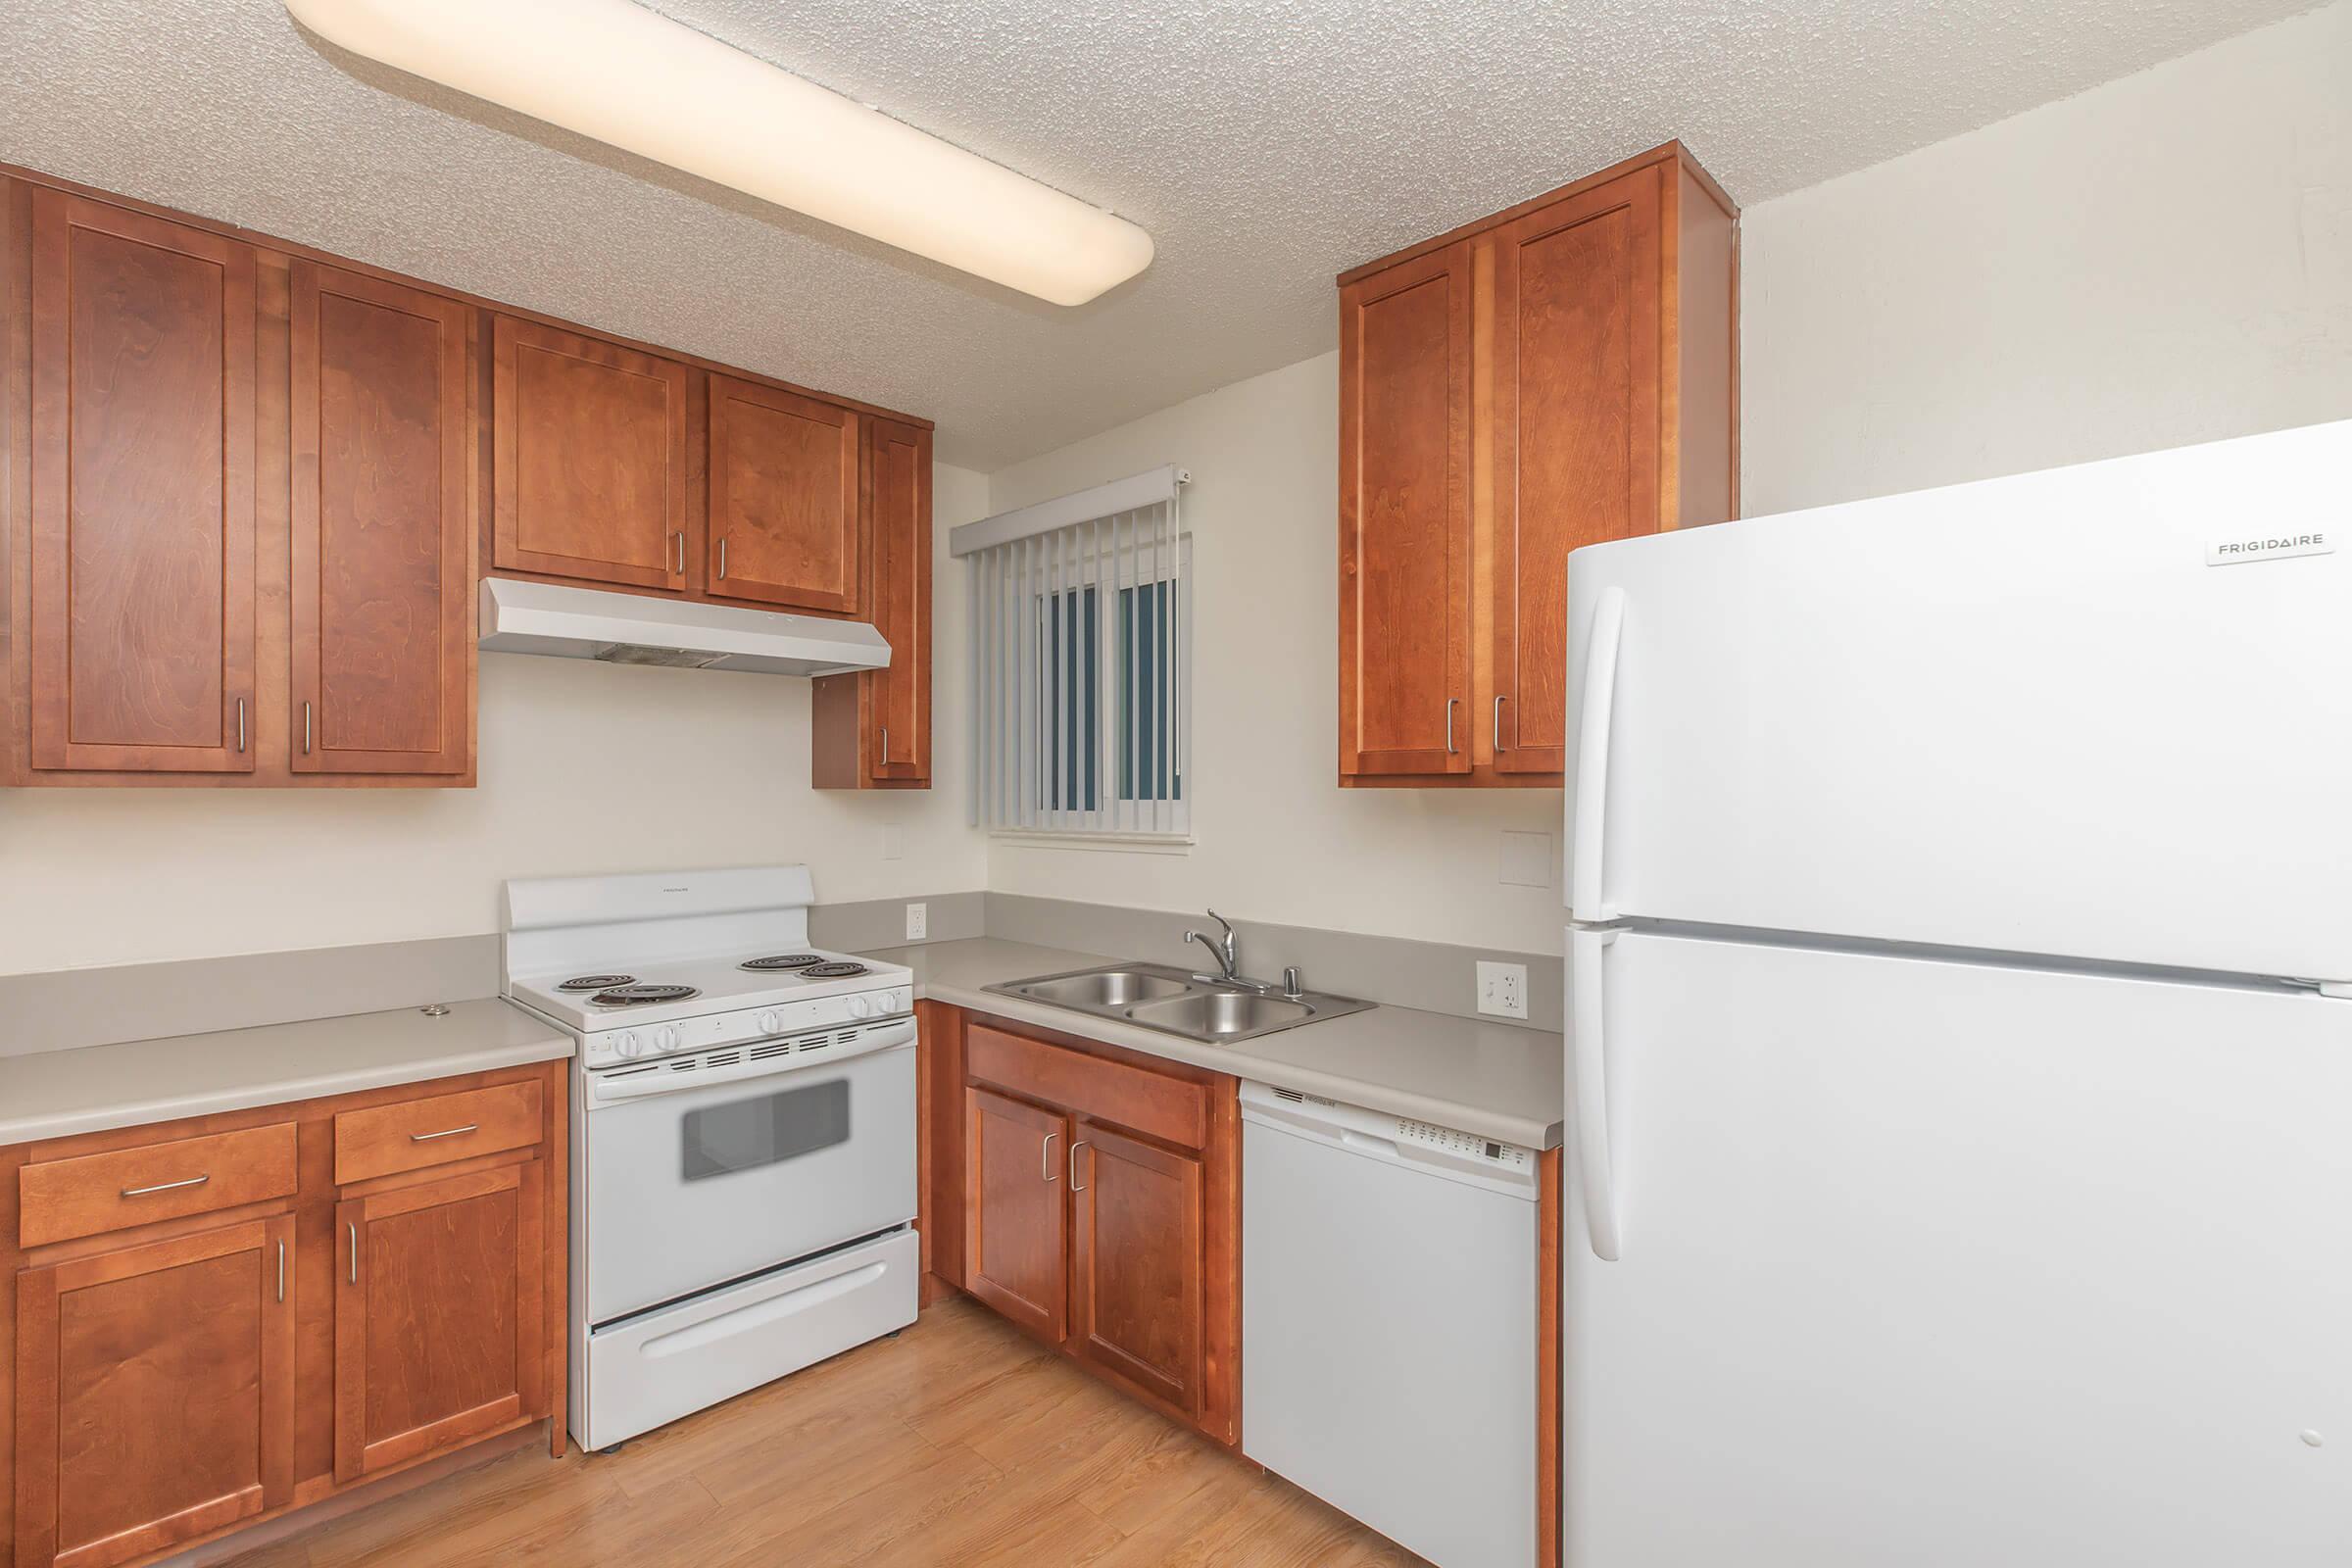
x,y
545,617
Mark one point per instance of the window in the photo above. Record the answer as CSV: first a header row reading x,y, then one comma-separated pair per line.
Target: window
x,y
1080,695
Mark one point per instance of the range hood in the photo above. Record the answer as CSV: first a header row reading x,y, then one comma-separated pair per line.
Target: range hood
x,y
545,617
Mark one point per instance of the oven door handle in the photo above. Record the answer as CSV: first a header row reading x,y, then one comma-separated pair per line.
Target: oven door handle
x,y
613,1086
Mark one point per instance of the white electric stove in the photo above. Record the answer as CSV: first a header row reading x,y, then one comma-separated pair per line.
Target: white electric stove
x,y
742,1135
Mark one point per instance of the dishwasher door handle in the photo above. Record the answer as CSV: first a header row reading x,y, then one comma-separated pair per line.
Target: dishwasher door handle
x,y
1365,1143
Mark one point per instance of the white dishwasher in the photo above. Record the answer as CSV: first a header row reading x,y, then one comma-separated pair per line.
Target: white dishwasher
x,y
1388,1322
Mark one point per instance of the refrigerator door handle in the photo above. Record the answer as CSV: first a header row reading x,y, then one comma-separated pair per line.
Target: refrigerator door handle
x,y
1596,1162
1592,757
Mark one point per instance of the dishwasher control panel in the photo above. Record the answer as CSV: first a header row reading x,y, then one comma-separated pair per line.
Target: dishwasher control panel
x,y
1465,1146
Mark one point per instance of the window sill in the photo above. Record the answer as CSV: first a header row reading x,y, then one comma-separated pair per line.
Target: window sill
x,y
1121,843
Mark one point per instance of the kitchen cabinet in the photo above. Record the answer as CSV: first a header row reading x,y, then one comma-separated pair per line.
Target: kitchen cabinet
x,y
1558,374
217,1320
248,490
1099,1206
1136,1295
440,1329
785,522
382,533
1016,1257
872,730
155,1396
588,466
141,642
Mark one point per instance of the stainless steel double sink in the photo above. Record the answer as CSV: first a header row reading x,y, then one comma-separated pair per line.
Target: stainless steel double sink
x,y
1174,1001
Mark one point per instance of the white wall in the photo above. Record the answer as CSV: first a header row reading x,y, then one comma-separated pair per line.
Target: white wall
x,y
584,767
1277,839
2160,260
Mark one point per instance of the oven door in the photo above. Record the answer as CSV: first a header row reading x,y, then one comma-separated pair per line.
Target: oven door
x,y
692,1186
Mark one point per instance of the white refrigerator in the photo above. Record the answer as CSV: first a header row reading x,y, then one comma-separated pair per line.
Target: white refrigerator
x,y
1960,1027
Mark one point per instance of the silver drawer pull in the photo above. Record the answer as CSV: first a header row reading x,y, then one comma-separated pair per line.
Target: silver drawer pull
x,y
164,1186
447,1132
1074,1147
1044,1158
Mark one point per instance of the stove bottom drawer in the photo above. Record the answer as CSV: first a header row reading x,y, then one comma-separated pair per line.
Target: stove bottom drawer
x,y
648,1371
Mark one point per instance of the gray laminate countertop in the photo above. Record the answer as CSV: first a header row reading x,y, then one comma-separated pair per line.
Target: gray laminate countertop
x,y
53,1093
1491,1079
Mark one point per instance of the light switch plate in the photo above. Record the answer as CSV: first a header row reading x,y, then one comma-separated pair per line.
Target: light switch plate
x,y
919,921
1502,989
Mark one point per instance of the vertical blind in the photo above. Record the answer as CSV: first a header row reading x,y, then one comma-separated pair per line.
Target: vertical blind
x,y
1079,669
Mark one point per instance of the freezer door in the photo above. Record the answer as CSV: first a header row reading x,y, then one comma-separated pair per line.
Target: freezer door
x,y
1947,1265
2023,716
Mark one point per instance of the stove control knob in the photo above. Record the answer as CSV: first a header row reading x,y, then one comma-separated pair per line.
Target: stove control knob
x,y
860,1006
667,1039
626,1044
895,1002
770,1023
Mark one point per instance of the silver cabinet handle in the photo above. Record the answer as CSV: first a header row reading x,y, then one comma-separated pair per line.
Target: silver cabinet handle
x,y
240,723
679,541
722,555
1498,721
885,753
355,1251
1451,702
165,1187
282,1271
1074,1147
446,1132
306,729
1044,1158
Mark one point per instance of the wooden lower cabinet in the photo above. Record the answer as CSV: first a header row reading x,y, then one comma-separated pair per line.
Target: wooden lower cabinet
x,y
1016,1256
1136,1300
155,1394
1096,1199
178,1378
438,1317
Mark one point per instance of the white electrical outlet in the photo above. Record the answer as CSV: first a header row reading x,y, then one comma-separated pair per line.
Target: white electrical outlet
x,y
1502,989
919,921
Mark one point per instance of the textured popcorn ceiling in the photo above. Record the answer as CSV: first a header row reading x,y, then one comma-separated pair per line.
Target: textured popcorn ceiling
x,y
1265,145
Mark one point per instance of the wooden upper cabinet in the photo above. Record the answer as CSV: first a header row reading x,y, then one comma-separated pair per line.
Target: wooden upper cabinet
x,y
1576,439
785,523
1592,355
383,543
589,464
898,491
142,638
440,1323
1136,1300
873,730
155,1394
1015,1253
1405,519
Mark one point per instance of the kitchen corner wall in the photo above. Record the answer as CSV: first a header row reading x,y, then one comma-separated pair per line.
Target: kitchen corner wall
x,y
585,767
1278,840
2161,261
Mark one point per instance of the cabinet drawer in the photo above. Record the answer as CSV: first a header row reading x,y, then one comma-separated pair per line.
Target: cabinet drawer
x,y
1167,1108
64,1198
386,1140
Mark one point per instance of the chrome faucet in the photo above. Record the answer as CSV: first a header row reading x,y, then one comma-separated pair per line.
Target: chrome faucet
x,y
1228,967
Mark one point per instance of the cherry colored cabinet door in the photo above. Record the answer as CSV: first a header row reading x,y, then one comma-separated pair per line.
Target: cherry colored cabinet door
x,y
1406,518
142,644
382,623
1575,435
899,502
588,459
785,527
1136,1300
155,1394
1014,1248
440,1332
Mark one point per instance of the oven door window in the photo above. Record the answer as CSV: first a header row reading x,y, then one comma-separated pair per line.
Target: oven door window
x,y
766,1130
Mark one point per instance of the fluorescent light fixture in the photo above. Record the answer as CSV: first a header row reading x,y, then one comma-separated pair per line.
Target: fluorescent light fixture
x,y
616,71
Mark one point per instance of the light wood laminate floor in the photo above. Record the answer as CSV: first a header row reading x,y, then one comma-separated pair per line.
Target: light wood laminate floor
x,y
959,1442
